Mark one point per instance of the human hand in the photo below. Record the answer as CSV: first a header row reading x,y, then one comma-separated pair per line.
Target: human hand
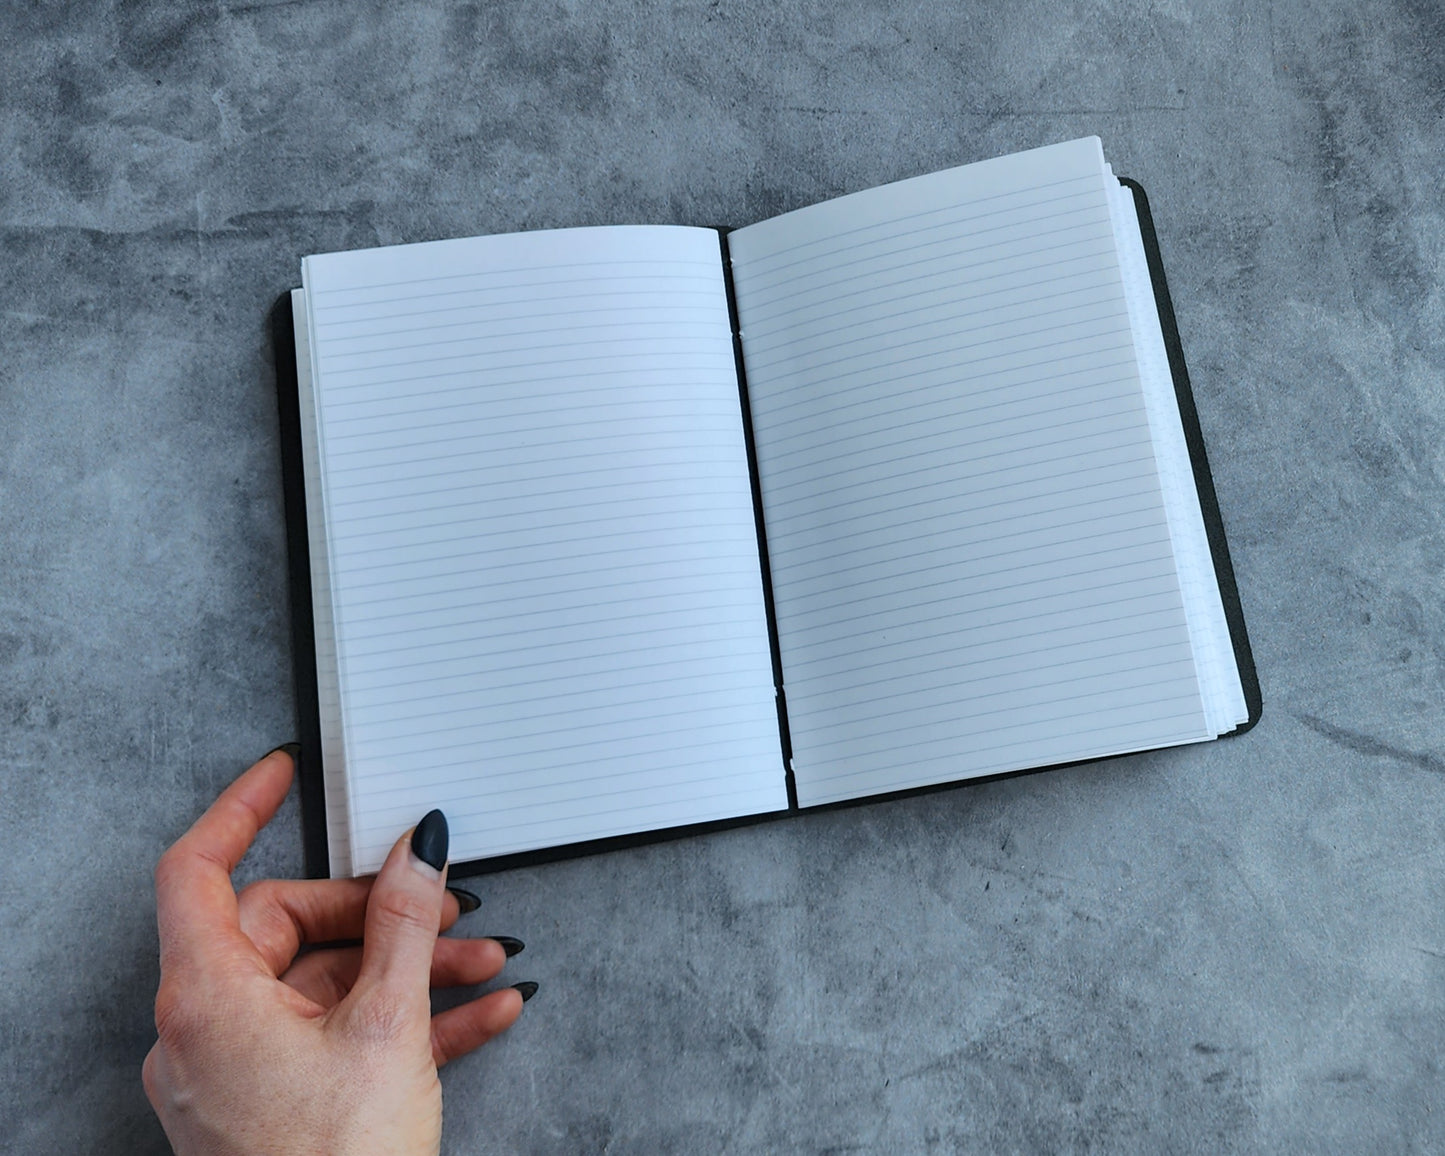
x,y
336,1051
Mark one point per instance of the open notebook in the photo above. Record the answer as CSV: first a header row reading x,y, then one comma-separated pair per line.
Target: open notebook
x,y
599,533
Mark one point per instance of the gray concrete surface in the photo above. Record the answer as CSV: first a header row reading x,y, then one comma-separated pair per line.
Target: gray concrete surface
x,y
1239,947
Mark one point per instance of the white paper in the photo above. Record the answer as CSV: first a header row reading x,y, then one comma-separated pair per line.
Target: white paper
x,y
972,568
543,561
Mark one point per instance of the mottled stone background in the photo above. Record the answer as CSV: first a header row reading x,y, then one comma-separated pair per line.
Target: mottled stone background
x,y
1237,947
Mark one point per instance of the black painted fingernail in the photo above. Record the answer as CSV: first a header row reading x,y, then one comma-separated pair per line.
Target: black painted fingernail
x,y
429,840
292,749
466,900
527,988
510,945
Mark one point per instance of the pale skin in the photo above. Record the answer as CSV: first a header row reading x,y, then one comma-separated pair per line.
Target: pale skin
x,y
335,1051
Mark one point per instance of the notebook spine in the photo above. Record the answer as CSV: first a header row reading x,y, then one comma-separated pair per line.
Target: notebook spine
x,y
784,738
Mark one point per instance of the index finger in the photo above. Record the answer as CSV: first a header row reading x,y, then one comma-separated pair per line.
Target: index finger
x,y
196,910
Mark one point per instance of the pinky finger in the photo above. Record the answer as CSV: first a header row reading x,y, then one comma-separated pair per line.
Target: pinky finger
x,y
459,1030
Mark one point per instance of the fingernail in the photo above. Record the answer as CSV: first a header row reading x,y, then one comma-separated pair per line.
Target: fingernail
x,y
429,840
292,749
466,900
527,988
509,945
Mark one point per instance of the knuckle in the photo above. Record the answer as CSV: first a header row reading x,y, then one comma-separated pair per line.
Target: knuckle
x,y
451,1042
262,893
148,1077
380,1017
443,1047
405,910
178,1018
155,1080
166,867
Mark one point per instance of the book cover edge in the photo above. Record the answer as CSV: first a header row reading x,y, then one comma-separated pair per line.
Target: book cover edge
x,y
1199,460
312,788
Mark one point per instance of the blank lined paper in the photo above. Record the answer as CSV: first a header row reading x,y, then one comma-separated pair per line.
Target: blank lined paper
x,y
539,530
972,570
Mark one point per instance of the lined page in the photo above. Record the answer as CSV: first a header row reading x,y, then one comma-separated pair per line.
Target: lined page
x,y
544,571
972,569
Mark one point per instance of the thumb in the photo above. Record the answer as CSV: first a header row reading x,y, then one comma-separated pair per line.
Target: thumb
x,y
403,913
